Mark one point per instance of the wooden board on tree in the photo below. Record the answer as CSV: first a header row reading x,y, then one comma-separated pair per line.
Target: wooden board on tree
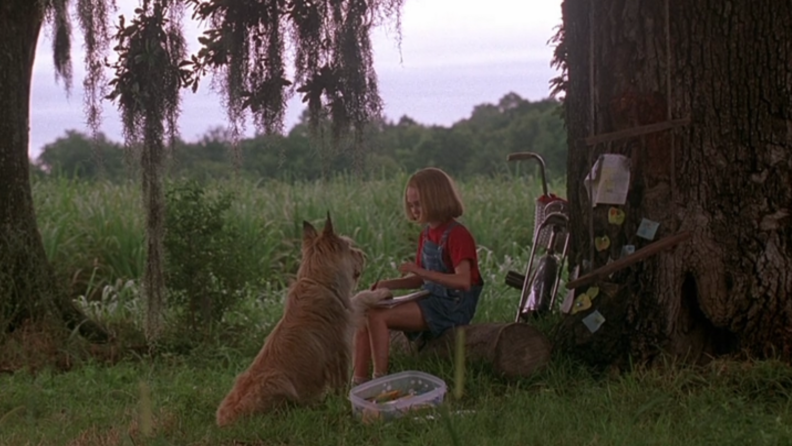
x,y
643,253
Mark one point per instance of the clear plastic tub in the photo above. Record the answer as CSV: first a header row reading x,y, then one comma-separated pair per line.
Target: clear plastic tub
x,y
416,390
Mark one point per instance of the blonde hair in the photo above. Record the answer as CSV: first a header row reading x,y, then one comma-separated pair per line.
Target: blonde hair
x,y
440,200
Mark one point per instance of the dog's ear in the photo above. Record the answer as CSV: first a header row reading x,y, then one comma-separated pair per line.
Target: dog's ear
x,y
309,232
328,228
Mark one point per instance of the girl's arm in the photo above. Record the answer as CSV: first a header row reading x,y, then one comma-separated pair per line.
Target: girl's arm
x,y
458,280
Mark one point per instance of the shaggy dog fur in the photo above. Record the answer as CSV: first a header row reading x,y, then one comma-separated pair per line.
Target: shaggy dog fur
x,y
310,349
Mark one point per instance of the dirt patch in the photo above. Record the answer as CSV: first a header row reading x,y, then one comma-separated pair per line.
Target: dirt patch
x,y
33,346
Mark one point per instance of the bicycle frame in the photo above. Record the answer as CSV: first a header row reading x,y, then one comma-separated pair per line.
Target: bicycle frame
x,y
531,276
551,212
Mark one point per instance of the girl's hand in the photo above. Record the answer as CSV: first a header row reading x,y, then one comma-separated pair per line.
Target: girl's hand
x,y
409,268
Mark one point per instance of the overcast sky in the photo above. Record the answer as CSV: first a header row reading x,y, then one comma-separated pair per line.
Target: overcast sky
x,y
455,54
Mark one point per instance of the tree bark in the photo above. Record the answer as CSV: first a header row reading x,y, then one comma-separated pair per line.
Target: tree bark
x,y
726,177
28,288
513,349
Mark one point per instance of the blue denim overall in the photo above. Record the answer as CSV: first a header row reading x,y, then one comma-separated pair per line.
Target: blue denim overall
x,y
444,308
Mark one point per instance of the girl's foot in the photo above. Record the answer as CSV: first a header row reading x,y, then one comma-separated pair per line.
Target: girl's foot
x,y
358,380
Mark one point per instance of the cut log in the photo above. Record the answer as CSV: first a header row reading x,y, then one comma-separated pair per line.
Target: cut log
x,y
513,349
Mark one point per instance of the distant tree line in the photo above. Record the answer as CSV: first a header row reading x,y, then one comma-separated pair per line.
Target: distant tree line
x,y
474,146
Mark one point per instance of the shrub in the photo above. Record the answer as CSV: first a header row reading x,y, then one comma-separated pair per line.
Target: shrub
x,y
202,271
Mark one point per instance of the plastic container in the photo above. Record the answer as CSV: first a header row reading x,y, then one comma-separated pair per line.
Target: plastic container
x,y
416,390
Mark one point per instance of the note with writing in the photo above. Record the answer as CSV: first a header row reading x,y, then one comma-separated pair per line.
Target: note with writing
x,y
609,180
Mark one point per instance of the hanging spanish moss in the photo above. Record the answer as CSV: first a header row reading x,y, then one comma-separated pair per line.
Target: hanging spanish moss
x,y
146,88
244,48
61,41
94,23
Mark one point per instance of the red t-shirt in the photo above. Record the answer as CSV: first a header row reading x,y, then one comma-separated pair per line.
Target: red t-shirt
x,y
459,246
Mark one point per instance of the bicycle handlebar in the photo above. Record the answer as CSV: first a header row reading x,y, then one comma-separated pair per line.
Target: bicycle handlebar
x,y
517,156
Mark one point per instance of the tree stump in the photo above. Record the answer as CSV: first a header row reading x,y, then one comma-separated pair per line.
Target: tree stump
x,y
514,349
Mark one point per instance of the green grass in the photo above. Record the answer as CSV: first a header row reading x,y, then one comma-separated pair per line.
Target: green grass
x,y
97,228
90,227
722,404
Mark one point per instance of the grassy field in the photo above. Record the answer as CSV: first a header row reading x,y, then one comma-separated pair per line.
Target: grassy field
x,y
87,227
93,235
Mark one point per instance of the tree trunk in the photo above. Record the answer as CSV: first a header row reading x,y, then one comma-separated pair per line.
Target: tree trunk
x,y
725,177
514,349
28,289
154,202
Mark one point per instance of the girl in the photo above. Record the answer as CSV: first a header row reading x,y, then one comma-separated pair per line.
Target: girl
x,y
446,265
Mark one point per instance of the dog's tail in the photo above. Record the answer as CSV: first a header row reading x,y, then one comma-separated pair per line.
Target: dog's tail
x,y
248,397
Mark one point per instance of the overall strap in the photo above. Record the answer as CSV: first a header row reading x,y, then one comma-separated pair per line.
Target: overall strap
x,y
444,238
425,232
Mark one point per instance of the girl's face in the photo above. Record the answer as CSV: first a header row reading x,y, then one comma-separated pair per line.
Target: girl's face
x,y
414,202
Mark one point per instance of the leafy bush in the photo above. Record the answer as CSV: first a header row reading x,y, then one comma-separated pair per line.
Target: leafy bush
x,y
203,274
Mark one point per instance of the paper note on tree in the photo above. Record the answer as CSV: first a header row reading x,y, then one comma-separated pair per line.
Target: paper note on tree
x,y
609,180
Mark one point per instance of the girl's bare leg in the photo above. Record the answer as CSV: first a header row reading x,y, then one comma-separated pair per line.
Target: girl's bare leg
x,y
362,358
404,317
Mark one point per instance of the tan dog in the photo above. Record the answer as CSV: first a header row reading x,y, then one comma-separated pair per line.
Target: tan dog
x,y
310,349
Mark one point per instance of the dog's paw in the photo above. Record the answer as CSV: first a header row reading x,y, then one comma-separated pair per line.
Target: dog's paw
x,y
370,298
383,294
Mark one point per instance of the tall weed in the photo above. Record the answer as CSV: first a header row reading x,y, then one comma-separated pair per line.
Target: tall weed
x,y
94,233
204,275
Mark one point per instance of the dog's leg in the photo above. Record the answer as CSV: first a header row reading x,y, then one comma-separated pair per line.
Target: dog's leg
x,y
269,394
368,298
364,300
339,372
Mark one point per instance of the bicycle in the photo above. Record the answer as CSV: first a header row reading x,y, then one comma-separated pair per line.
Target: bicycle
x,y
539,286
